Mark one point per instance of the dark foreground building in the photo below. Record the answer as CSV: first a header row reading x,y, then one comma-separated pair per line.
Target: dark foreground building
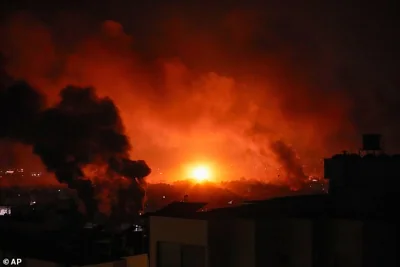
x,y
59,241
354,225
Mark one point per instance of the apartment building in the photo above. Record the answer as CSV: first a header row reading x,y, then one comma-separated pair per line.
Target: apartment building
x,y
271,234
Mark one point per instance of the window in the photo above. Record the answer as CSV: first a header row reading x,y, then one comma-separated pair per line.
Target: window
x,y
193,256
180,255
169,255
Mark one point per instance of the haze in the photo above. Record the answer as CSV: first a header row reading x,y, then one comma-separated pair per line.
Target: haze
x,y
262,93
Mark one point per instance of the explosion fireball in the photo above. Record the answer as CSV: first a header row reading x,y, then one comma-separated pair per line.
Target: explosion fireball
x,y
262,90
200,173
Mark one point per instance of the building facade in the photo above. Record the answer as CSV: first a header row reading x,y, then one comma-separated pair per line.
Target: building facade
x,y
274,242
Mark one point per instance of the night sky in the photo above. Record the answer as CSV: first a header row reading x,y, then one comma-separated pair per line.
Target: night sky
x,y
221,83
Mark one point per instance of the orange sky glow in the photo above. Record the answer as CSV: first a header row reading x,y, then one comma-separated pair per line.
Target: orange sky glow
x,y
177,115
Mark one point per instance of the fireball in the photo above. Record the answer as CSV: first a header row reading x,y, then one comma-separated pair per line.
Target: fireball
x,y
200,173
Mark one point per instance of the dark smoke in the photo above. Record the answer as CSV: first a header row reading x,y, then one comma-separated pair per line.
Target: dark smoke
x,y
291,164
130,199
81,129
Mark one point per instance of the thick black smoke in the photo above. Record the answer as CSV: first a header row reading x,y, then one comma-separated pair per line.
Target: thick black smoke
x,y
291,164
131,198
81,129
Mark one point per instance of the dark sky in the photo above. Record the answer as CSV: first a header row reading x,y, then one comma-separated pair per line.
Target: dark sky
x,y
363,34
319,56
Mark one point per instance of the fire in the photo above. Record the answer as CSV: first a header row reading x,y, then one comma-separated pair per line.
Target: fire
x,y
200,173
199,98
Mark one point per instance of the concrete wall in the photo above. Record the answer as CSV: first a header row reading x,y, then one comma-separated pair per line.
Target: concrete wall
x,y
347,241
220,237
231,242
284,242
137,261
340,243
228,242
243,244
176,230
379,244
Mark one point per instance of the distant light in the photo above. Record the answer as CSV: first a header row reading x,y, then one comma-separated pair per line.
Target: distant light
x,y
10,172
5,211
163,196
138,228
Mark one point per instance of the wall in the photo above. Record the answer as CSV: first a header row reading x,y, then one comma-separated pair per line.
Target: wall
x,y
243,244
176,230
347,242
379,244
228,242
284,242
220,237
137,261
339,243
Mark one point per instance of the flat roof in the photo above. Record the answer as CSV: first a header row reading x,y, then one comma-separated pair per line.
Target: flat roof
x,y
178,209
306,206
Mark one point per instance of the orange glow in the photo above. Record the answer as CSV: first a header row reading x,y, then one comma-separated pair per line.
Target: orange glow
x,y
200,98
200,173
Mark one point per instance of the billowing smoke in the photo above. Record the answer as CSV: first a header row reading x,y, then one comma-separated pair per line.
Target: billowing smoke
x,y
191,80
292,169
80,130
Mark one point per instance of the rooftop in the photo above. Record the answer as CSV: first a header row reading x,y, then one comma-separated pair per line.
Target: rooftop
x,y
307,206
178,209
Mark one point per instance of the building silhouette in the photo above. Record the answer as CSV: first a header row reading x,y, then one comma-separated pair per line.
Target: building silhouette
x,y
353,225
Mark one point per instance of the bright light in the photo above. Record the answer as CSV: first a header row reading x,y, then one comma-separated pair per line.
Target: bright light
x,y
200,173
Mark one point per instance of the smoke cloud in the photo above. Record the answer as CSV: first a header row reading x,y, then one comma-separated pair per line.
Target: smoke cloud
x,y
81,130
219,83
293,170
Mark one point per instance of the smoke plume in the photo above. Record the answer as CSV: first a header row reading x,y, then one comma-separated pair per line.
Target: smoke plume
x,y
291,165
80,130
220,82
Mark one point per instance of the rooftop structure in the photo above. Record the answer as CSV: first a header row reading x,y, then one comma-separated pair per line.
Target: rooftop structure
x,y
368,174
294,231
